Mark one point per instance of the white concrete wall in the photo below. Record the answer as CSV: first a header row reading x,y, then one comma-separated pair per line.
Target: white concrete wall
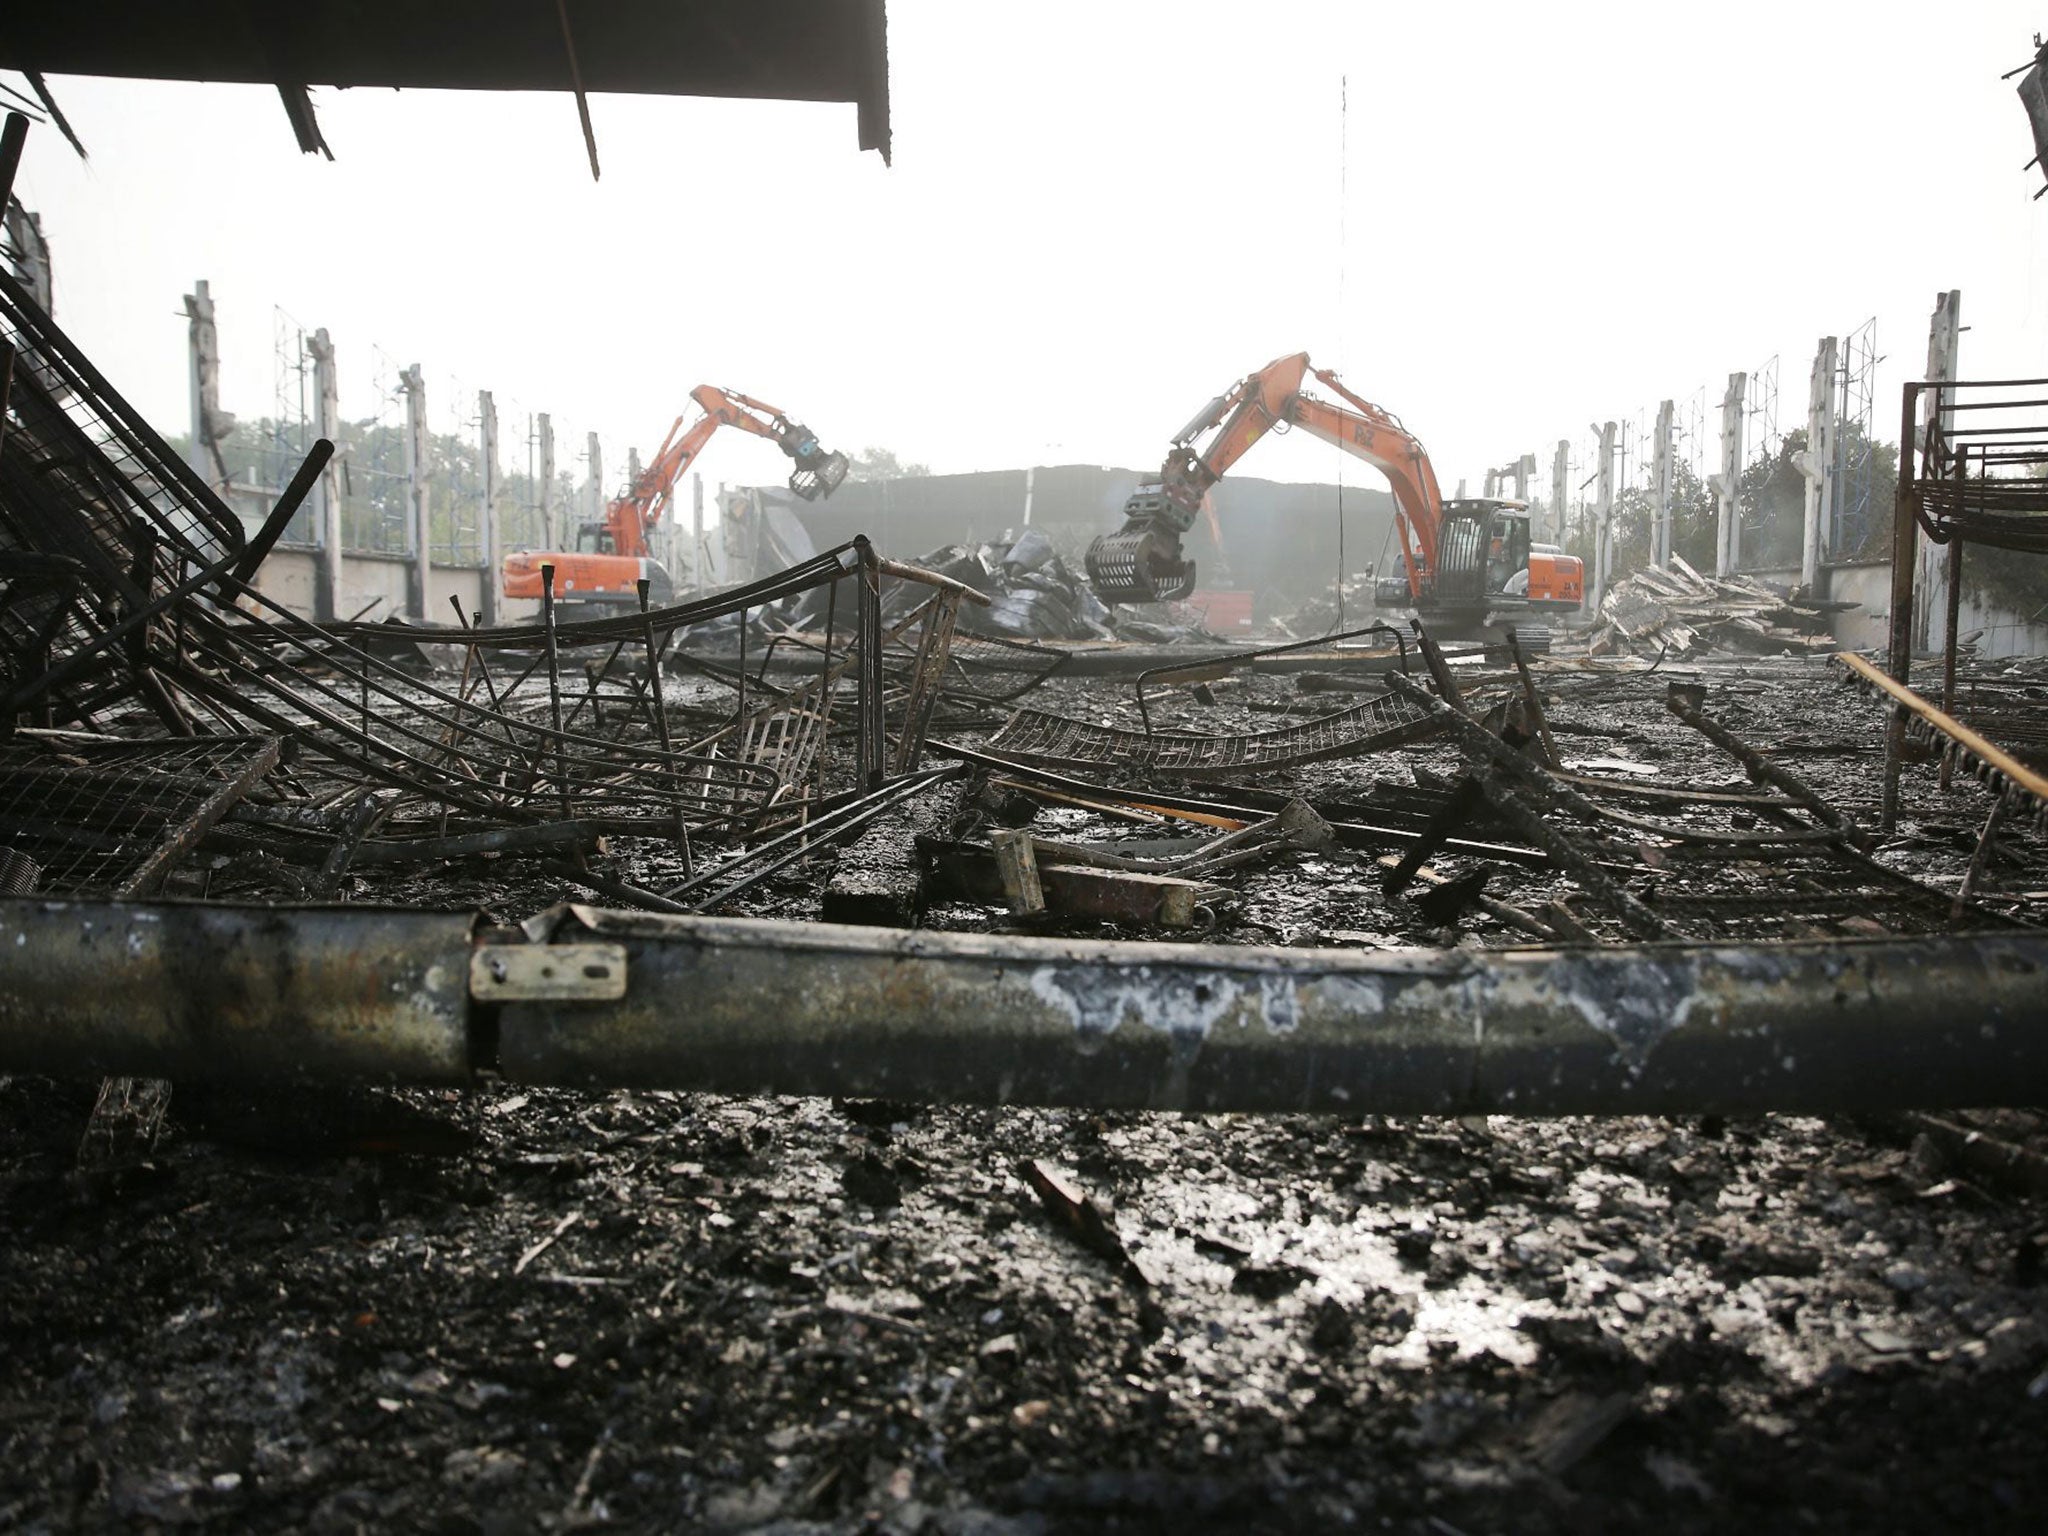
x,y
287,574
2005,633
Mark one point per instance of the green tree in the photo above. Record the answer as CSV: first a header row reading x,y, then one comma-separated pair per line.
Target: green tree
x,y
873,463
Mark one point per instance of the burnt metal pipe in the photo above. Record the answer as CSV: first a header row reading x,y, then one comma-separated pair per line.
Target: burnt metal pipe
x,y
185,990
587,998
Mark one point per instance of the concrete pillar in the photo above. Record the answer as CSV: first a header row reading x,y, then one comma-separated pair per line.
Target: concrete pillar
x,y
547,482
1525,466
696,532
1492,484
1944,333
1560,489
1603,515
1660,489
487,447
210,424
1030,484
419,530
1817,464
31,254
594,508
1727,484
326,496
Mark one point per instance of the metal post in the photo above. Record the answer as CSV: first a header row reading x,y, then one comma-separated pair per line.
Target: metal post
x,y
1948,655
1899,649
547,619
418,529
1560,489
1603,515
547,481
1660,476
487,447
1727,484
327,489
12,140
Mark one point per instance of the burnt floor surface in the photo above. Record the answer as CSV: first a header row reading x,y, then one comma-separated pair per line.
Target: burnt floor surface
x,y
508,1311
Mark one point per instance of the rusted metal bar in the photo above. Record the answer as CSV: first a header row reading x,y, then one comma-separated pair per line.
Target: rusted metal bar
x,y
658,706
1157,804
1439,668
1522,793
923,577
868,725
13,138
740,1006
1209,668
1979,862
287,507
6,377
1948,649
547,620
1534,701
182,839
1899,642
1684,699
2005,772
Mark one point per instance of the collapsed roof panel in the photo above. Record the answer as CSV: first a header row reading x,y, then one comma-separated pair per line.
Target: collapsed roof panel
x,y
794,50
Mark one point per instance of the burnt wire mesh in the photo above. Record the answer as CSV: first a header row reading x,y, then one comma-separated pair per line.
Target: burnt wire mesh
x,y
111,818
1373,726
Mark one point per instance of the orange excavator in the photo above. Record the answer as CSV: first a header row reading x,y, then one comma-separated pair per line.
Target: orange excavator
x,y
612,556
1464,559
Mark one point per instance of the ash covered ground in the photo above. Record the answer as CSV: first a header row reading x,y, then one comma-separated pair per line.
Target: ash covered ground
x,y
506,1310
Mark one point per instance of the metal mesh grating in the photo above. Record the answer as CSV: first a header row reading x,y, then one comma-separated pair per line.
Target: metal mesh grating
x,y
111,818
1374,726
992,670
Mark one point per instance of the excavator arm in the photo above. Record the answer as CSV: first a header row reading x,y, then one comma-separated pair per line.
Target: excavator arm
x,y
1143,562
633,517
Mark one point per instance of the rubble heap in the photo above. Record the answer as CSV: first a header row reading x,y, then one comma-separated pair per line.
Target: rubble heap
x,y
1680,609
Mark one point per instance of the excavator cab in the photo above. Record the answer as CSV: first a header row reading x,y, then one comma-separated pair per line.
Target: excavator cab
x,y
817,472
1480,544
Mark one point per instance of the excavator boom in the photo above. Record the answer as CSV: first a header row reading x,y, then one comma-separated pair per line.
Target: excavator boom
x,y
1470,556
622,556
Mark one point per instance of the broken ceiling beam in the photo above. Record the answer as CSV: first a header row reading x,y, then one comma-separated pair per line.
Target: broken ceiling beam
x,y
797,50
749,1007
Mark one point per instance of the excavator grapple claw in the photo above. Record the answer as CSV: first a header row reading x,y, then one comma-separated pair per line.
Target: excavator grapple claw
x,y
819,477
1139,564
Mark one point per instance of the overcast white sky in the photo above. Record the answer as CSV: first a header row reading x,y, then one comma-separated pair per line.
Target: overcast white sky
x,y
1500,221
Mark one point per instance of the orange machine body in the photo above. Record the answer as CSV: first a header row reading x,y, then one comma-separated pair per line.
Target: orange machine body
x,y
611,557
1462,558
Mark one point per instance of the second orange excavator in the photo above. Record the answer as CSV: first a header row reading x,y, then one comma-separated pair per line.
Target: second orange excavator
x,y
1465,560
611,557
